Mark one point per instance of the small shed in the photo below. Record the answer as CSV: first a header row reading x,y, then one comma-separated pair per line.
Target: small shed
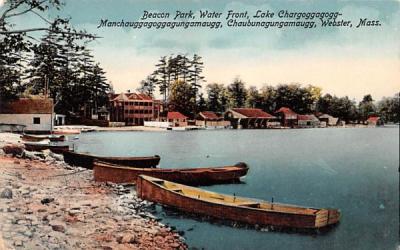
x,y
211,119
374,121
176,119
328,119
287,117
307,121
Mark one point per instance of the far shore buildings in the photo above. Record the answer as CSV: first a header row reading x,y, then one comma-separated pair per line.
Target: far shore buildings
x,y
248,118
287,117
133,108
307,121
374,121
35,115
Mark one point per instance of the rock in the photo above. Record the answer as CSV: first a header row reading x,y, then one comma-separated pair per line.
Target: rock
x,y
47,200
6,194
18,243
58,228
127,238
13,149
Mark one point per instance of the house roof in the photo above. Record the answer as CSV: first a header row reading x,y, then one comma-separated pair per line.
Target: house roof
x,y
28,106
286,111
325,116
175,116
131,96
307,118
373,118
209,115
253,113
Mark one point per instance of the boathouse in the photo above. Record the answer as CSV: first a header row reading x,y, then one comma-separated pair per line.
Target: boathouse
x,y
210,119
248,118
287,117
176,119
307,121
34,114
374,121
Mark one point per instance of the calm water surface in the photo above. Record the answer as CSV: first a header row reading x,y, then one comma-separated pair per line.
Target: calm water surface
x,y
355,170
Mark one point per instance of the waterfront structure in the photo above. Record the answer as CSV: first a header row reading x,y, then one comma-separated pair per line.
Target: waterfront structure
x,y
248,118
307,121
176,119
35,114
287,117
374,121
133,108
211,119
328,119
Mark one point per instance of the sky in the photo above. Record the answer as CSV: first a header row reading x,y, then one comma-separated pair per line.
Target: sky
x,y
342,61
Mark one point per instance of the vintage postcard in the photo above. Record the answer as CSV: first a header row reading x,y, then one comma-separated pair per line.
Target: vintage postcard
x,y
191,124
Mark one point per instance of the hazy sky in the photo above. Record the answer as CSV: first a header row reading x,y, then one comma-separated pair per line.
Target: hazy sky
x,y
342,61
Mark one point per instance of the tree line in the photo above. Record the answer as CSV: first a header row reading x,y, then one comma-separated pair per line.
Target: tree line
x,y
180,82
52,59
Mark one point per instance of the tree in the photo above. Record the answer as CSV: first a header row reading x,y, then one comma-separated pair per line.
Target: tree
x,y
389,108
237,93
217,98
253,99
366,107
148,85
268,98
180,98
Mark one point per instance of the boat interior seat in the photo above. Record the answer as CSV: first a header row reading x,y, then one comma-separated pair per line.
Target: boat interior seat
x,y
178,190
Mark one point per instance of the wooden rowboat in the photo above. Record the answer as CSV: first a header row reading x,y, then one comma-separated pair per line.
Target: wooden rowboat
x,y
58,149
226,207
37,138
104,172
86,160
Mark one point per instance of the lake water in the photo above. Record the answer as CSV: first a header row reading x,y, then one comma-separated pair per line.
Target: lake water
x,y
355,170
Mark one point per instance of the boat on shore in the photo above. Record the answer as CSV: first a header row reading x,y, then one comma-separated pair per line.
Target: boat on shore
x,y
106,172
37,138
227,207
37,146
86,160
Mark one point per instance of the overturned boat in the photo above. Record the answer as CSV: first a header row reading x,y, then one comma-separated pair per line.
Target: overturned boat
x,y
86,160
226,207
38,146
37,138
104,172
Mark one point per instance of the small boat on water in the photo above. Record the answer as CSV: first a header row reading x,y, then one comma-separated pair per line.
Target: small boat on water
x,y
226,207
58,149
86,160
104,172
37,138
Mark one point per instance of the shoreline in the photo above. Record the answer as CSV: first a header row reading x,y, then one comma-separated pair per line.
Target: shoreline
x,y
47,204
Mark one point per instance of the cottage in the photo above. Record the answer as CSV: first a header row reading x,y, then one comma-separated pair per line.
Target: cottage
x,y
287,117
248,118
209,119
374,121
328,119
307,121
36,114
176,119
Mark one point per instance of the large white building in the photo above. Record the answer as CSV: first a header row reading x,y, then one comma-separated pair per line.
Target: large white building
x,y
34,113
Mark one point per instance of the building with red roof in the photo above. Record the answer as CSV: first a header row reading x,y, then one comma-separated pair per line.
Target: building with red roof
x,y
307,121
133,108
177,119
248,118
287,117
374,121
210,119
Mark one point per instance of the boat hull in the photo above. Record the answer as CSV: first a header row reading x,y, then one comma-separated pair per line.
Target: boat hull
x,y
104,172
58,149
38,138
86,160
151,191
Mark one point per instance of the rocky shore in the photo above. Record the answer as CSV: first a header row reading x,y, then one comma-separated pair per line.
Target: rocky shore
x,y
47,204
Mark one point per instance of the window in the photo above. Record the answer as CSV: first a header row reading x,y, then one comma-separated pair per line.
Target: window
x,y
36,120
